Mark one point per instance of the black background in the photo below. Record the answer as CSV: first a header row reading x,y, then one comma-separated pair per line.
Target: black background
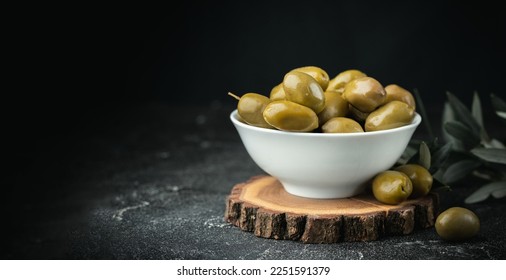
x,y
80,62
77,71
80,66
197,52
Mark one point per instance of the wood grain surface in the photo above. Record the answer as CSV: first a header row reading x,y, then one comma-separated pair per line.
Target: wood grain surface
x,y
262,206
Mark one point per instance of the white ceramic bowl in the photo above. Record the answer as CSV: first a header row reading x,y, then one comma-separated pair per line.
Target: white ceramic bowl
x,y
324,165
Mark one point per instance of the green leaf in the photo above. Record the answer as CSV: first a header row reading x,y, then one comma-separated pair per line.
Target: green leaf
x,y
445,188
439,157
449,116
476,109
421,108
462,113
462,133
491,154
498,104
494,143
499,193
501,114
459,170
424,159
438,176
408,153
495,189
415,157
438,185
478,116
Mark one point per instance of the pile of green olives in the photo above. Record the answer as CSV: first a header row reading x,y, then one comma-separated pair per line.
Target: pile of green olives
x,y
403,182
307,100
412,181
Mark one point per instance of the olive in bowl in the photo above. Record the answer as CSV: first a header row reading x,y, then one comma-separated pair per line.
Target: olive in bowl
x,y
324,165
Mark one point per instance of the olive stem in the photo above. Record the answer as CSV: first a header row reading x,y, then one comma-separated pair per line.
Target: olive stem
x,y
234,96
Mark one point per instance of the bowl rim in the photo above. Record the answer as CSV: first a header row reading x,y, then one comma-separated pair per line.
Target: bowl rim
x,y
234,118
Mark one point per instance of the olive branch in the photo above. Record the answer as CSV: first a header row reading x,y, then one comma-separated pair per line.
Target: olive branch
x,y
467,148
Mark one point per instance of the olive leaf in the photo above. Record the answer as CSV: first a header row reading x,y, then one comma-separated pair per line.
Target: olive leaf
x,y
468,148
476,109
424,158
494,143
499,106
494,155
462,113
459,170
477,113
423,113
422,155
499,193
440,156
468,137
445,188
438,185
496,189
408,153
449,116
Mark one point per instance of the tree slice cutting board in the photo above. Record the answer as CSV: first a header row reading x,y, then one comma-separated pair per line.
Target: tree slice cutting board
x,y
262,206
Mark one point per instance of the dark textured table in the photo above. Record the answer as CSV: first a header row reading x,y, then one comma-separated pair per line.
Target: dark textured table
x,y
150,181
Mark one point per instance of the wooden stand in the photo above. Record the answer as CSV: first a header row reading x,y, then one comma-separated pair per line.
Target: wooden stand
x,y
261,205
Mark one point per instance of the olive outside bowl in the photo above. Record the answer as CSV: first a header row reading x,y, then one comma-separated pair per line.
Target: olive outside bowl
x,y
324,165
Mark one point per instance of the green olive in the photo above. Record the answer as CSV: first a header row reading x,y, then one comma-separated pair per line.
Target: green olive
x,y
420,178
391,187
290,116
278,93
303,89
391,115
395,92
335,106
321,77
357,114
250,108
365,94
457,224
341,125
340,81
